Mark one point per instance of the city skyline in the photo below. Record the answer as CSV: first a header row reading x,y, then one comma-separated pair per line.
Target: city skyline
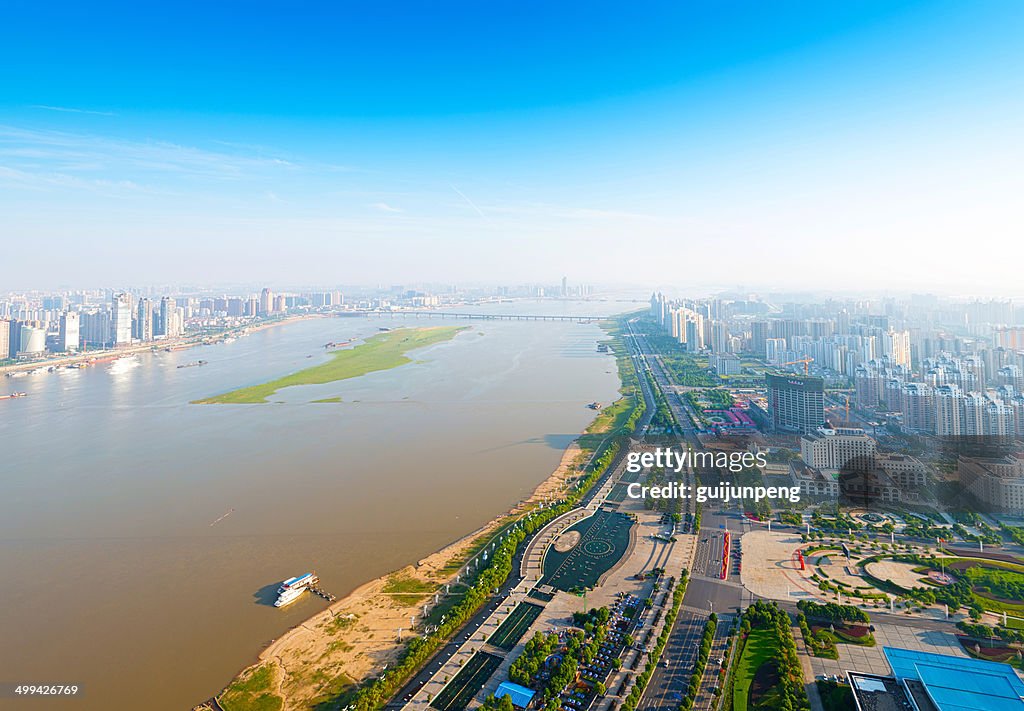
x,y
375,146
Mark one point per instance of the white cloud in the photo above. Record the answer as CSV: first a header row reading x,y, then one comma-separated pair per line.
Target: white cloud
x,y
384,207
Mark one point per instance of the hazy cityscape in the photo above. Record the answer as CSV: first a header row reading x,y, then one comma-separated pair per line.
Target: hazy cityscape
x,y
500,357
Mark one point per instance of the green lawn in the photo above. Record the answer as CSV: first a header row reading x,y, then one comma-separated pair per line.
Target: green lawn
x,y
252,692
411,589
380,352
760,647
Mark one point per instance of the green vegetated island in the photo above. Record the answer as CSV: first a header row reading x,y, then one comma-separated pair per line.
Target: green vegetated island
x,y
380,352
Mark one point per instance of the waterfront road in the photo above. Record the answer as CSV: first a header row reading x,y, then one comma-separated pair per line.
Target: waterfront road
x,y
516,580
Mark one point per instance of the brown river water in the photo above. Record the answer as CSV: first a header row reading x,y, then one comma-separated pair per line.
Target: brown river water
x,y
117,574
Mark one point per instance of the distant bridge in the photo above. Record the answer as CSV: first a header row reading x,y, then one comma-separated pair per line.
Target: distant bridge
x,y
478,316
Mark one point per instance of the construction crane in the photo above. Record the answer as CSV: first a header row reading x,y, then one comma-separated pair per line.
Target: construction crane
x,y
806,361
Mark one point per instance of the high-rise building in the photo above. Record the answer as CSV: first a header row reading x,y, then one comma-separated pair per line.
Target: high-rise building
x,y
5,339
167,307
122,319
695,333
95,329
168,321
758,337
68,334
33,340
1010,337
896,345
719,340
796,403
144,321
917,403
266,302
949,406
775,350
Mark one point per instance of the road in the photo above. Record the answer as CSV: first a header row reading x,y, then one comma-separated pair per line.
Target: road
x,y
706,592
672,675
447,651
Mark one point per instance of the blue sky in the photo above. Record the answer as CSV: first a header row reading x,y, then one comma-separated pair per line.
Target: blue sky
x,y
322,143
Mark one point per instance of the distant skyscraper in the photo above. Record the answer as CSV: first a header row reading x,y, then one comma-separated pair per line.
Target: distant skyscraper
x,y
266,302
949,408
565,286
695,333
68,336
918,407
167,307
144,320
95,329
897,347
5,339
33,340
775,350
122,319
167,319
758,337
795,403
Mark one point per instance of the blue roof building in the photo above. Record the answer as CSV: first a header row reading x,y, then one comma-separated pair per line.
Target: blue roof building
x,y
959,683
521,696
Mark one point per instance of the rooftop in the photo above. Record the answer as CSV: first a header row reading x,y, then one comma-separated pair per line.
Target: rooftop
x,y
521,696
958,683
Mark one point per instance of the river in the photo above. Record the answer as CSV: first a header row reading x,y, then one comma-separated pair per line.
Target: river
x,y
140,535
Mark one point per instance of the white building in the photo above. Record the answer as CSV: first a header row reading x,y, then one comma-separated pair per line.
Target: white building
x,y
68,335
775,350
832,449
122,319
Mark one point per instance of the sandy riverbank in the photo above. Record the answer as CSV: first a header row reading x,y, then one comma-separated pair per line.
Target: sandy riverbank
x,y
355,637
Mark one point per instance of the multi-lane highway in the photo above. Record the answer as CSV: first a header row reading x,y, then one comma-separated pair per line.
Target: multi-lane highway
x,y
672,675
706,592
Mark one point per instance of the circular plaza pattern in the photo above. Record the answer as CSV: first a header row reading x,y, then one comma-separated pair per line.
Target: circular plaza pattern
x,y
598,548
603,539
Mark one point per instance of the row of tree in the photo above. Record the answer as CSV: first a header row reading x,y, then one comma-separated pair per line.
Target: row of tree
x,y
631,701
832,612
703,654
791,695
489,576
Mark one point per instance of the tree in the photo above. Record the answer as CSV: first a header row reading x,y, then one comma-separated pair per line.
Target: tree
x,y
600,689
